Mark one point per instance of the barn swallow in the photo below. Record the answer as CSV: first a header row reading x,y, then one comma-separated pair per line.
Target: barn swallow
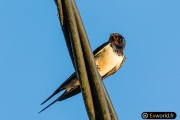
x,y
109,57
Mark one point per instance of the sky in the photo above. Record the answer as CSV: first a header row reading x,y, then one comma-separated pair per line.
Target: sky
x,y
34,59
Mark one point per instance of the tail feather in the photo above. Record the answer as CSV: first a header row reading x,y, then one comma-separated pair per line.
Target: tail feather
x,y
61,87
49,98
49,105
68,94
65,95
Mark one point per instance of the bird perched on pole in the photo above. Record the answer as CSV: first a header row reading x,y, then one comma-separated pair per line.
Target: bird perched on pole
x,y
109,57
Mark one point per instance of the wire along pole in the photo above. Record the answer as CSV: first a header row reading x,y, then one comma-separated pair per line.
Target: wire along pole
x,y
95,96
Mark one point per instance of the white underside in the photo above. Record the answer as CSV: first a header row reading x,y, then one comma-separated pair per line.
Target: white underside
x,y
107,60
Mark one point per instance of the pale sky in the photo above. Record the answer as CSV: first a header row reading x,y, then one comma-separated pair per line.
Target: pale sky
x,y
34,59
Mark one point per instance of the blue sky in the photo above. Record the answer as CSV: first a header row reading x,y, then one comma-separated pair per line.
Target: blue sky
x,y
34,59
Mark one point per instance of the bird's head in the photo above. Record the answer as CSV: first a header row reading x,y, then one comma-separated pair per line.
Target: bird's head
x,y
117,40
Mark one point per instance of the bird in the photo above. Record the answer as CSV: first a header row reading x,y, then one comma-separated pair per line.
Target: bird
x,y
109,57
